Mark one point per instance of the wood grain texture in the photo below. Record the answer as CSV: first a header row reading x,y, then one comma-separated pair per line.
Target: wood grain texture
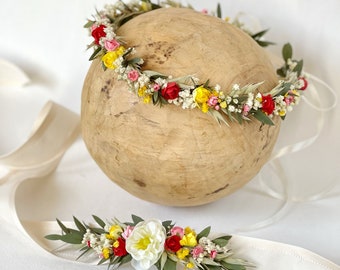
x,y
169,155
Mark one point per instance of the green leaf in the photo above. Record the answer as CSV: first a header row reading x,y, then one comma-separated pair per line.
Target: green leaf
x,y
134,61
125,259
204,233
99,221
170,265
63,227
97,230
163,260
72,238
206,84
88,24
167,224
298,67
282,72
79,225
136,219
212,267
263,43
259,34
287,52
219,11
263,118
53,237
222,241
231,266
95,53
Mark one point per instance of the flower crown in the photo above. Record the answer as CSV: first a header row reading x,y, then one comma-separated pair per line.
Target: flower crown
x,y
147,243
239,105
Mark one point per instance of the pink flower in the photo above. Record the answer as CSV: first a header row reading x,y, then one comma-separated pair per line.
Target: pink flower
x,y
127,232
213,254
288,100
111,45
176,230
197,251
217,107
204,11
246,109
133,75
213,100
156,87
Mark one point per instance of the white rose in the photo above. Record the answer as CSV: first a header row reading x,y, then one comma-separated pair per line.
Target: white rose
x,y
146,244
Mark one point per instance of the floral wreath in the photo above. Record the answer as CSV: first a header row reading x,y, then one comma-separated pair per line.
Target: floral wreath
x,y
239,105
151,243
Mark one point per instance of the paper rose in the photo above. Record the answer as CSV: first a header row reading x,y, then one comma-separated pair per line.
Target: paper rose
x,y
146,244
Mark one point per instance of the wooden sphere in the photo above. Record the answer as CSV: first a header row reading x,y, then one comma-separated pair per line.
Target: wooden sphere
x,y
169,155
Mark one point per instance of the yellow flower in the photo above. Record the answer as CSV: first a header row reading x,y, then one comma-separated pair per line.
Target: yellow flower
x,y
120,51
205,107
201,95
182,253
114,232
145,6
189,238
147,99
141,91
106,253
188,230
223,104
116,244
190,265
282,112
110,57
295,93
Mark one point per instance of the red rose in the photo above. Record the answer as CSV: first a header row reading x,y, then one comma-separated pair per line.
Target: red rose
x,y
98,33
170,91
268,104
120,249
305,83
172,243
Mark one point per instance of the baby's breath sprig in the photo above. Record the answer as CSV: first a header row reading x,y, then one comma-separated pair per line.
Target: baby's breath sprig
x,y
242,103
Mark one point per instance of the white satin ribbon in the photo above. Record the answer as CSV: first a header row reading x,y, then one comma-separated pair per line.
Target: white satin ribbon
x,y
54,131
286,195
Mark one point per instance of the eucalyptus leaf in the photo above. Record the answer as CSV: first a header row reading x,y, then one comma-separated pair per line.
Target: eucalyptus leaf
x,y
219,11
127,258
298,67
231,266
63,227
53,237
163,260
95,53
170,265
79,225
222,240
287,52
262,117
136,219
72,238
99,221
204,233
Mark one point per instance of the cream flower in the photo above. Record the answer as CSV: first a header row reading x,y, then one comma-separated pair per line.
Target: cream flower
x,y
146,244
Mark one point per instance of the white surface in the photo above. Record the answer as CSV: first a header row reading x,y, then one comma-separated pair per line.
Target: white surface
x,y
46,39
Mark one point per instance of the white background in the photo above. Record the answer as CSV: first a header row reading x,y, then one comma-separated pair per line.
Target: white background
x,y
46,39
